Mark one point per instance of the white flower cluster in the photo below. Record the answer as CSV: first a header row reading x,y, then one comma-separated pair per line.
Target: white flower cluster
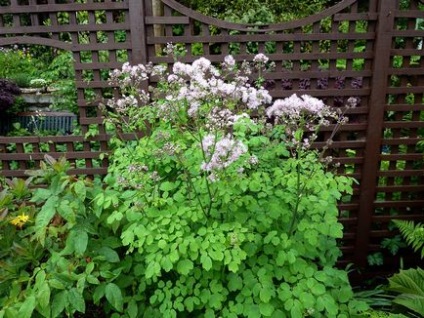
x,y
121,105
221,153
201,83
295,106
130,75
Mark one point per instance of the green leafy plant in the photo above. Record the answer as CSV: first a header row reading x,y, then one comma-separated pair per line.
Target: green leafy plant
x,y
60,75
393,244
9,93
212,213
18,65
409,284
54,250
226,216
413,234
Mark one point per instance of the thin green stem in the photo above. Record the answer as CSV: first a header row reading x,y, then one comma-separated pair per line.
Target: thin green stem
x,y
300,191
298,198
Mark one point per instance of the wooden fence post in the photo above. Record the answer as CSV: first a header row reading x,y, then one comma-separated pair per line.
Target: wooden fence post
x,y
379,82
138,31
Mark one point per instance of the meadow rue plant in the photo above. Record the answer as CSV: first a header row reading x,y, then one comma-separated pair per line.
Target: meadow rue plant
x,y
223,207
220,209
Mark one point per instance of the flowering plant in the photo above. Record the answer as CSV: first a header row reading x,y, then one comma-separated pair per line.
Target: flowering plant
x,y
224,206
8,93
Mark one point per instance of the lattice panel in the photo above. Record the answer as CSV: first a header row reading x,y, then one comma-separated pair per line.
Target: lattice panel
x,y
400,191
328,55
97,33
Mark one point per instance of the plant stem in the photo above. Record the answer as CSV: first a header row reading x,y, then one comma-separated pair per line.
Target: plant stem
x,y
298,197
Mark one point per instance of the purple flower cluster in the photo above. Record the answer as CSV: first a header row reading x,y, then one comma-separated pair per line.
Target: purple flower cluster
x,y
201,83
221,153
122,105
302,117
129,79
294,107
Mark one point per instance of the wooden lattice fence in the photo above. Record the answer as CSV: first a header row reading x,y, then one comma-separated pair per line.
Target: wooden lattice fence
x,y
368,49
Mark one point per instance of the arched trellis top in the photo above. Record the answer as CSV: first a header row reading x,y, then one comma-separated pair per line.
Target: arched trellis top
x,y
257,27
33,40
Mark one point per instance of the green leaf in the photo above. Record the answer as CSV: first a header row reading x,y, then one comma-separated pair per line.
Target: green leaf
x,y
59,303
167,186
345,294
266,309
41,195
235,282
64,209
76,300
296,311
253,311
281,258
132,309
189,304
336,230
27,307
162,244
410,285
321,276
185,266
114,296
110,255
80,242
266,293
215,300
255,185
166,264
98,294
308,300
43,295
44,217
153,269
209,313
93,280
206,262
318,289
56,284
11,312
80,190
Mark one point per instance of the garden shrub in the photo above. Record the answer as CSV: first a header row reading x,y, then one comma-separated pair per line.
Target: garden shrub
x,y
228,210
9,93
281,10
220,209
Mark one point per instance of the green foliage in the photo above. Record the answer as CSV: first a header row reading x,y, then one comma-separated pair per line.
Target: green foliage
x,y
168,234
393,244
409,284
19,66
375,259
55,252
413,234
60,73
257,238
249,253
282,10
376,298
53,69
382,314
